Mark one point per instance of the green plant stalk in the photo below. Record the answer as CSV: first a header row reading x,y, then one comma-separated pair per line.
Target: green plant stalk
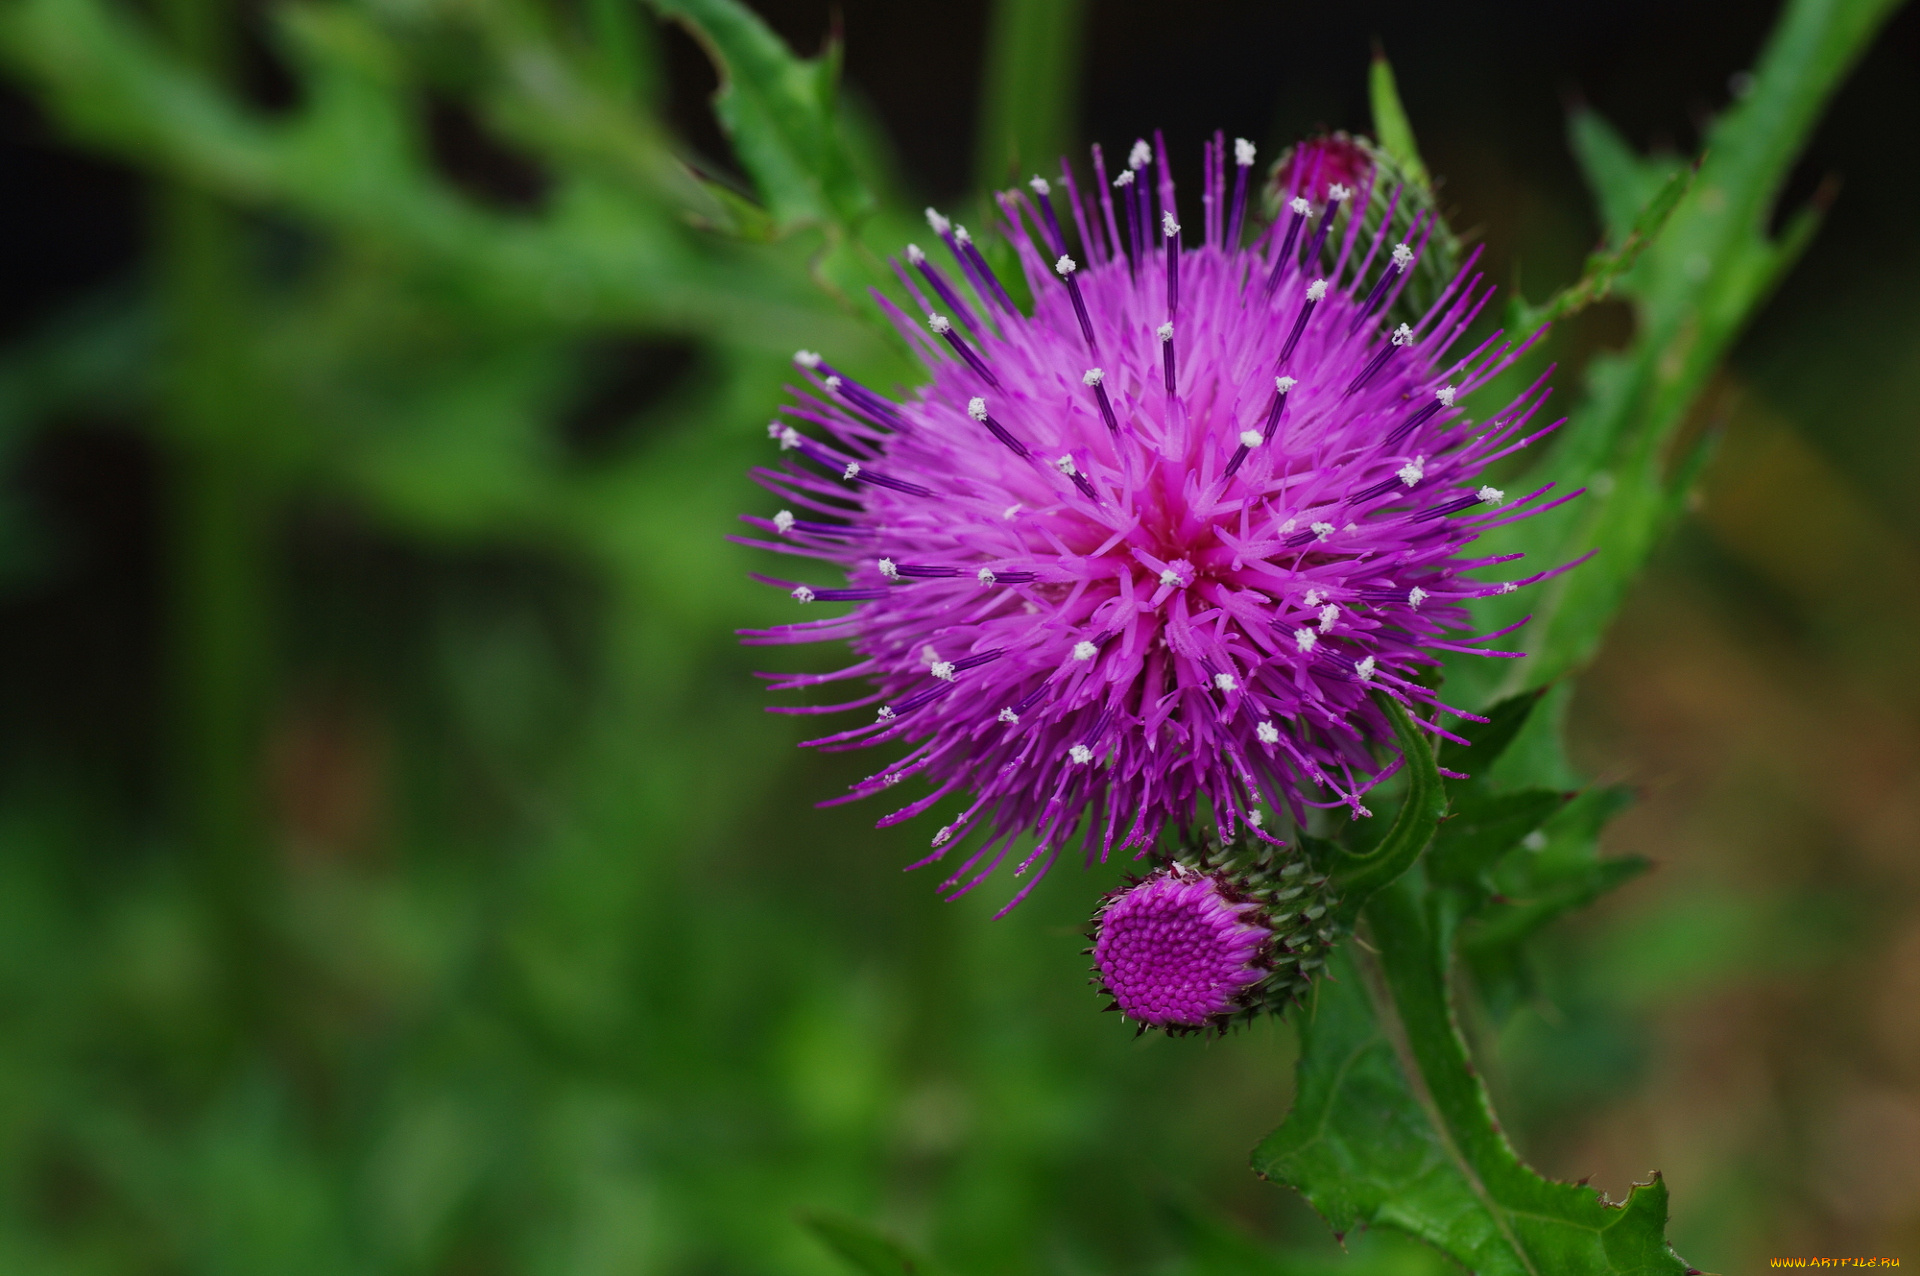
x,y
1029,90
215,506
1694,290
1356,878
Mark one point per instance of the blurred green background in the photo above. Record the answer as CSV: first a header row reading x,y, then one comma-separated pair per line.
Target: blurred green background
x,y
397,870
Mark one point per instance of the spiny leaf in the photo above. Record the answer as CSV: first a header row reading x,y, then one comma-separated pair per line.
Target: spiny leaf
x,y
1693,291
1604,268
781,112
1365,1149
1621,181
1483,828
1554,873
1488,740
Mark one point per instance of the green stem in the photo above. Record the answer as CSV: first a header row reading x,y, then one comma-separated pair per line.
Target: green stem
x,y
1030,88
218,534
1413,947
1357,877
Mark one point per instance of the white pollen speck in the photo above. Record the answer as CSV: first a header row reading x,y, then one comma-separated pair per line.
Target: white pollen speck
x,y
832,383
1009,716
1039,185
1080,754
940,225
914,256
1329,614
1249,438
1314,598
1491,495
943,670
1165,330
1337,193
1065,466
1268,733
1065,266
806,358
1093,376
1364,670
852,471
1006,515
1507,587
1300,206
1243,152
1415,597
1224,681
1289,525
1304,639
1351,527
1255,818
888,570
1168,226
801,594
774,428
789,439
1141,155
1085,650
1284,384
986,576
1322,530
1170,578
1402,256
940,324
1446,395
943,836
783,522
1403,335
1316,290
960,236
977,408
885,714
1413,471
1125,179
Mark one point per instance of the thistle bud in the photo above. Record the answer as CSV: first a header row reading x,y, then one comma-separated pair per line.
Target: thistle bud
x,y
1213,939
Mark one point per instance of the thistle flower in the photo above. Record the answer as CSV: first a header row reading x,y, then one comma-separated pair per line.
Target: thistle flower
x,y
1141,557
1205,944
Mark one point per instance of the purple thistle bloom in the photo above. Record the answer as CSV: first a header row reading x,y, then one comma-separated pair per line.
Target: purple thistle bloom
x,y
1176,952
1151,549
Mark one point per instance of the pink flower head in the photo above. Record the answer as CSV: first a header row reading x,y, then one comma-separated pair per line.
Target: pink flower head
x,y
1175,952
1154,546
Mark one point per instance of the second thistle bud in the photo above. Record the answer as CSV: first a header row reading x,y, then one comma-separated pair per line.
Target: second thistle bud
x,y
1213,938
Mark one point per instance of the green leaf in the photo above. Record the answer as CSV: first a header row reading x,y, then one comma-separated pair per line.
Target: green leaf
x,y
1483,828
1390,126
1356,877
1366,1149
863,1249
1488,740
782,114
1555,873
